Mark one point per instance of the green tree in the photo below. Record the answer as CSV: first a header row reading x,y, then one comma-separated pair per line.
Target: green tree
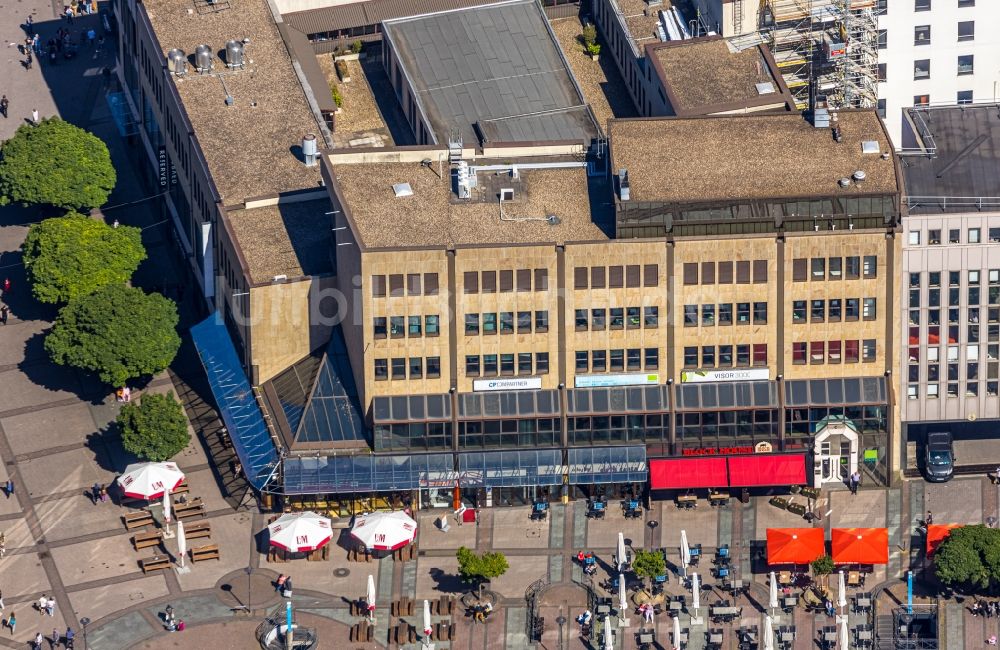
x,y
649,564
969,558
58,164
478,568
823,565
155,428
118,332
74,255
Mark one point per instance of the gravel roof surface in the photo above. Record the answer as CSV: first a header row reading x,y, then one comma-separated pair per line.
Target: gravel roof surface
x,y
641,20
747,156
248,146
701,72
434,217
290,239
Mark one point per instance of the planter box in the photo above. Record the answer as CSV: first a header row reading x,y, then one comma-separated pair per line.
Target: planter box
x,y
810,493
595,57
778,502
351,56
797,508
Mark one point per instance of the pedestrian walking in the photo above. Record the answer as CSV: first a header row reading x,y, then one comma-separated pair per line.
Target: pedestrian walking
x,y
69,14
4,103
3,544
4,313
35,120
12,622
28,61
37,643
95,493
29,25
55,637
35,44
50,606
855,482
104,493
69,637
41,603
279,584
9,487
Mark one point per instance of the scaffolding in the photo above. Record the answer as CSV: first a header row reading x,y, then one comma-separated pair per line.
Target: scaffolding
x,y
829,44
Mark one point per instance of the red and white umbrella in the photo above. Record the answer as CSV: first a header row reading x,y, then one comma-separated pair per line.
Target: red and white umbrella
x,y
150,480
384,531
300,532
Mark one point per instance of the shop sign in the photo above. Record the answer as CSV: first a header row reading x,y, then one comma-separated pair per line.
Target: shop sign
x,y
717,451
740,374
763,448
596,381
514,383
161,164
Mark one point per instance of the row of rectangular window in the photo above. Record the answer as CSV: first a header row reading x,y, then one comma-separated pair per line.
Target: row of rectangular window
x,y
922,33
398,327
509,280
954,316
922,67
412,367
491,365
615,277
617,360
922,5
952,390
834,268
415,284
933,336
971,371
616,318
746,272
506,322
972,236
818,352
725,313
955,278
833,310
952,352
722,357
974,296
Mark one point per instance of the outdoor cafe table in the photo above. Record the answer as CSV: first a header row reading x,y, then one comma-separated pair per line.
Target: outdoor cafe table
x,y
865,635
790,601
830,635
646,637
715,637
725,611
853,578
676,606
787,636
864,602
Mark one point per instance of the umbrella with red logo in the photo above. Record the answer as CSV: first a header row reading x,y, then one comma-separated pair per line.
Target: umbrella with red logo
x,y
300,532
384,531
150,480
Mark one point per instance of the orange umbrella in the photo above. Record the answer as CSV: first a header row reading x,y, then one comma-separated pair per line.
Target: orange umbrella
x,y
936,533
794,545
860,545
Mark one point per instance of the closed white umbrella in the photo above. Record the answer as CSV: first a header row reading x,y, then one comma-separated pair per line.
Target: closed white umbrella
x,y
677,632
608,643
685,552
166,506
841,592
695,592
773,600
384,531
621,551
768,633
370,598
300,532
844,637
150,480
182,546
622,603
427,619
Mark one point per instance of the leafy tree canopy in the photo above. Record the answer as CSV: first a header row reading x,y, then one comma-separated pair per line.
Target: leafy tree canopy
x,y
649,564
155,428
118,332
56,163
822,565
74,255
969,557
477,568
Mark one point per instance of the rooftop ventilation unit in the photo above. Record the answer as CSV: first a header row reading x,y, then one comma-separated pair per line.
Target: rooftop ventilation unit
x,y
309,153
177,62
870,146
844,182
623,185
765,88
203,59
506,194
859,176
465,180
402,189
234,54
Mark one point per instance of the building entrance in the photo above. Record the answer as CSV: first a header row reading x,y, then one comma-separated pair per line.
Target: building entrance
x,y
835,451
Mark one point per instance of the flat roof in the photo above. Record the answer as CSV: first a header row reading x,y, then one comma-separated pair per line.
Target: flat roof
x,y
747,157
497,66
434,217
291,239
963,160
333,15
248,146
706,75
642,20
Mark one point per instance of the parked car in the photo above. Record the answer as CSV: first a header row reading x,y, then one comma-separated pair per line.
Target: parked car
x,y
939,458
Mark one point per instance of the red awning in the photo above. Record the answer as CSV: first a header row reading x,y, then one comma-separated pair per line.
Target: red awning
x,y
936,533
685,473
767,469
794,545
860,545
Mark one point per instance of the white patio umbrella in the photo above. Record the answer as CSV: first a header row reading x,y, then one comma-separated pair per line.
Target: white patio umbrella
x,y
841,592
621,551
427,619
685,552
843,636
370,597
622,602
773,599
609,644
182,546
300,532
166,514
150,480
384,531
768,633
677,632
695,592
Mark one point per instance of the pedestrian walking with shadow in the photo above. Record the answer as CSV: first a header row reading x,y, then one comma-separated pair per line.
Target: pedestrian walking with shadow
x,y
41,604
29,25
9,487
28,61
37,643
12,622
4,103
36,122
50,606
55,638
4,313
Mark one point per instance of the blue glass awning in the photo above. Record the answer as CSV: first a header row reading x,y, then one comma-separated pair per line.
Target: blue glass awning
x,y
510,468
236,401
589,465
338,474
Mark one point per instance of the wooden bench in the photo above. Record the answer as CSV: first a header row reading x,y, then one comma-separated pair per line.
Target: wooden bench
x,y
207,552
444,606
402,607
192,508
361,632
444,631
146,540
197,531
319,555
359,556
137,519
154,563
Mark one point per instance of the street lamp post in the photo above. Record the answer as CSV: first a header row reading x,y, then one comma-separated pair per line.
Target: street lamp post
x,y
84,622
249,571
